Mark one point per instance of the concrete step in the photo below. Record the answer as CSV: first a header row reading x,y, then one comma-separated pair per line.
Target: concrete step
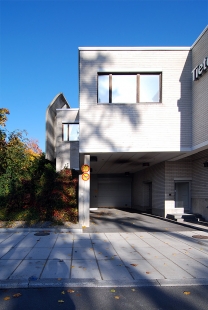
x,y
190,218
175,217
181,217
199,217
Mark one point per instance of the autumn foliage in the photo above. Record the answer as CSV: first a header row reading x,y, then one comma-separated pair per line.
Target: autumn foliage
x,y
29,185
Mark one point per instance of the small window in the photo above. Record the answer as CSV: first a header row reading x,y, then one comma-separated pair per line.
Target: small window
x,y
103,86
70,132
129,88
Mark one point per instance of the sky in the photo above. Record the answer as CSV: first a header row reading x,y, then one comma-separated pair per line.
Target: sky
x,y
39,43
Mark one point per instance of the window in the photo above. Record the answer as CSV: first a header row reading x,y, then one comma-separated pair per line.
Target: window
x,y
70,132
129,88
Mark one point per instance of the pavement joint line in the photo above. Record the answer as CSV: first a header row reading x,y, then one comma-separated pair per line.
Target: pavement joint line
x,y
72,254
96,258
65,283
47,259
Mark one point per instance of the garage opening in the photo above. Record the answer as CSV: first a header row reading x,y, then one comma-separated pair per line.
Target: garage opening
x,y
114,192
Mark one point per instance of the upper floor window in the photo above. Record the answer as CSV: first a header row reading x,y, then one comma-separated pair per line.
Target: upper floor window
x,y
129,87
70,132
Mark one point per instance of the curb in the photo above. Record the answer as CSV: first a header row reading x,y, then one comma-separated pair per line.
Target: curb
x,y
189,225
56,230
47,283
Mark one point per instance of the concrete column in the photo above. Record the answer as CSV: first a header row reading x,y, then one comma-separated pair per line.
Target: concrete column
x,y
84,197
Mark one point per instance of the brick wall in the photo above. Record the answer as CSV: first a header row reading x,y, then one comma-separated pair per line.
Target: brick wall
x,y
156,176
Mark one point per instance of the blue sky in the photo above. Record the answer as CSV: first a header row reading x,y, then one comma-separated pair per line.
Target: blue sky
x,y
39,43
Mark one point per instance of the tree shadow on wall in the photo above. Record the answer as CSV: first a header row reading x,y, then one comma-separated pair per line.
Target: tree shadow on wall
x,y
109,126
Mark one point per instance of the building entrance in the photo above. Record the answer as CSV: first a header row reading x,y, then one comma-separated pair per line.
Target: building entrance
x,y
182,195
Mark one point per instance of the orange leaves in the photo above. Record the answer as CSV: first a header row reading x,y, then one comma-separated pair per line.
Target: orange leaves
x,y
70,291
17,295
116,296
33,149
186,293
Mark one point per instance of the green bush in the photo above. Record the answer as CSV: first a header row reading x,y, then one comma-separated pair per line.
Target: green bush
x,y
30,187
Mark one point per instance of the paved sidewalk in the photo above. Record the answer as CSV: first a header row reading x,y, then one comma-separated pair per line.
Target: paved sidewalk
x,y
103,259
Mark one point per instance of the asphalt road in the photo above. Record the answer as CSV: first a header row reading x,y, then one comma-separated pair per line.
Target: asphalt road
x,y
112,298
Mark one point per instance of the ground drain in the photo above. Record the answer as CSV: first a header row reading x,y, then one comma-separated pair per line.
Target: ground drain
x,y
200,237
42,234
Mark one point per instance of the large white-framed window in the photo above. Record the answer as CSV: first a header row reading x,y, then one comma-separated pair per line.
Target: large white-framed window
x,y
70,132
129,87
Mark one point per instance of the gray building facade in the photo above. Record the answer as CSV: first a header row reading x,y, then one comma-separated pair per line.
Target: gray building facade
x,y
141,126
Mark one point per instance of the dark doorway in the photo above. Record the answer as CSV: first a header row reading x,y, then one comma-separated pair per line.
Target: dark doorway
x,y
182,195
148,197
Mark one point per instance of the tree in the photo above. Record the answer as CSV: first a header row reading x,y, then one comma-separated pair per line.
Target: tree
x,y
17,154
3,119
33,149
29,183
3,116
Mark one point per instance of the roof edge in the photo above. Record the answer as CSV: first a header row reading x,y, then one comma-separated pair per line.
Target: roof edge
x,y
134,48
55,98
199,37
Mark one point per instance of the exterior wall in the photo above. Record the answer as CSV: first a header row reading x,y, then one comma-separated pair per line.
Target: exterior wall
x,y
57,103
136,127
67,153
175,171
155,175
163,177
200,184
94,191
200,94
200,129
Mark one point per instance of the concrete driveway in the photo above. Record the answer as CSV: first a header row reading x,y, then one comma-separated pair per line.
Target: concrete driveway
x,y
115,220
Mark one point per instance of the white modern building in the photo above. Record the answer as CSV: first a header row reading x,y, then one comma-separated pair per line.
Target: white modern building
x,y
141,126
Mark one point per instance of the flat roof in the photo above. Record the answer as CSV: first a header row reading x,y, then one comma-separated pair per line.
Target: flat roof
x,y
134,48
